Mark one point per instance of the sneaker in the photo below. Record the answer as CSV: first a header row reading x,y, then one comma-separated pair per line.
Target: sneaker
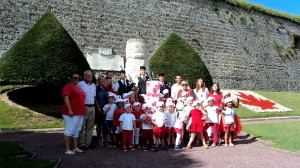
x,y
177,147
145,149
226,145
213,145
165,148
132,149
231,145
152,149
69,152
205,146
125,150
156,149
77,150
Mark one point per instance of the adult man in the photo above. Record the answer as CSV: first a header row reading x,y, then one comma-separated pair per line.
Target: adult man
x,y
163,85
142,80
123,85
176,87
89,89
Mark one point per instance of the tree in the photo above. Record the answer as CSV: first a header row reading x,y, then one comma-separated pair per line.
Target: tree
x,y
175,56
44,56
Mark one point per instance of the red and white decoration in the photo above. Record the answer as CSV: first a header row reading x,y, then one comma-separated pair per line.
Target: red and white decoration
x,y
256,102
153,91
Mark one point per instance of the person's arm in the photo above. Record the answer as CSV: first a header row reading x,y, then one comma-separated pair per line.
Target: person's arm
x,y
121,124
107,109
116,87
68,105
98,106
237,104
144,117
223,120
134,125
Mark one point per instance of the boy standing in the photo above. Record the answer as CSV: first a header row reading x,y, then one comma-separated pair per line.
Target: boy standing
x,y
159,119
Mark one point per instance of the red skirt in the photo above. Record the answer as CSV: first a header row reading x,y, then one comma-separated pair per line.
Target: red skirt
x,y
196,127
238,126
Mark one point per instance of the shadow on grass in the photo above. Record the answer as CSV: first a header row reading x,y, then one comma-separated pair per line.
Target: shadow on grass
x,y
47,101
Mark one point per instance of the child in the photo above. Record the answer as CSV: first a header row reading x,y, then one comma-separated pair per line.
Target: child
x,y
170,124
159,119
147,128
118,112
228,121
212,119
108,111
178,126
187,109
196,127
137,113
127,127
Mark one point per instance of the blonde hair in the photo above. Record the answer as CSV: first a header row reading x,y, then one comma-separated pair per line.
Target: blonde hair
x,y
185,82
198,87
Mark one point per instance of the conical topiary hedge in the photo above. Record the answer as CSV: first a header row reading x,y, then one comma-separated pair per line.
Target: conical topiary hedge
x,y
45,55
175,56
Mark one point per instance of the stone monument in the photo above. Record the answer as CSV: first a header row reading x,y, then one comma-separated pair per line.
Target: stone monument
x,y
136,56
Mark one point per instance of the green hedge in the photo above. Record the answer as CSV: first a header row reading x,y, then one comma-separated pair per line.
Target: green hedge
x,y
175,56
45,55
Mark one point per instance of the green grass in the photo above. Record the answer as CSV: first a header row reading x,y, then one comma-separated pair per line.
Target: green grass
x,y
287,99
251,6
11,149
283,135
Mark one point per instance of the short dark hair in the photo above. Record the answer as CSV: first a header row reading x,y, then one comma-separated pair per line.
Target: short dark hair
x,y
107,77
75,72
109,72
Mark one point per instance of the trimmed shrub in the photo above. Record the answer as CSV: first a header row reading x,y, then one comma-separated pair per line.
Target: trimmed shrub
x,y
44,56
175,56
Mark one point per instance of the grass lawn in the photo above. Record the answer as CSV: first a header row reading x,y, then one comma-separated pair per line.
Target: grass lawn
x,y
284,135
13,156
287,99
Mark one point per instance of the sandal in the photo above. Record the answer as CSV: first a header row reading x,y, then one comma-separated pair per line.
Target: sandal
x,y
189,147
77,150
69,152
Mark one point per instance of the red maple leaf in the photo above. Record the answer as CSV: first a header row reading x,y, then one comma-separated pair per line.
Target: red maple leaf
x,y
251,100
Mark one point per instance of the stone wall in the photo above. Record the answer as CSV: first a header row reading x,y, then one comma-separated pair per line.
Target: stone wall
x,y
242,49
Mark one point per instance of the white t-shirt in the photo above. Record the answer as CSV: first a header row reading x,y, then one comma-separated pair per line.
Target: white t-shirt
x,y
110,113
148,118
89,91
212,115
127,119
174,90
159,118
200,94
171,119
179,121
228,115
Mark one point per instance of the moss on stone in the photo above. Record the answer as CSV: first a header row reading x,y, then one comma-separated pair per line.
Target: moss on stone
x,y
175,56
45,55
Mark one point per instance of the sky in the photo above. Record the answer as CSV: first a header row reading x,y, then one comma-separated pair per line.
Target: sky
x,y
287,6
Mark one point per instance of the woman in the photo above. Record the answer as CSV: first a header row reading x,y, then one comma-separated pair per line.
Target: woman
x,y
73,112
102,99
200,92
215,92
109,85
185,91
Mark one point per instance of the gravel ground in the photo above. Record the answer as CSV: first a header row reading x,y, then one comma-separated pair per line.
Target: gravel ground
x,y
247,153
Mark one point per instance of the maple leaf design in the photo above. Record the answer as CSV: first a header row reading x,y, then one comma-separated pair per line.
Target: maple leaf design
x,y
252,101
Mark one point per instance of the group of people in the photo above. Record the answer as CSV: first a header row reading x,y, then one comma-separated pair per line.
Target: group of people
x,y
123,118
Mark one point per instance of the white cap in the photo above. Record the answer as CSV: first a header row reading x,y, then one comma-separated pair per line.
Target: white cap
x,y
228,100
145,106
118,100
129,93
210,98
180,106
170,104
180,100
226,92
169,100
165,91
125,100
118,97
189,98
125,95
160,103
136,104
127,105
161,95
197,102
111,94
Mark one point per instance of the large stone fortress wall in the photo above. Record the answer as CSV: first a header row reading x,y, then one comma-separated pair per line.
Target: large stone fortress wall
x,y
242,49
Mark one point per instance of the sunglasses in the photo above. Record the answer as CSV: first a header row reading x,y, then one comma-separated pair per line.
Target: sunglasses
x,y
184,85
76,78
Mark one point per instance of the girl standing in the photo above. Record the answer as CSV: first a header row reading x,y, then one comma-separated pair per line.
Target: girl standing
x,y
200,92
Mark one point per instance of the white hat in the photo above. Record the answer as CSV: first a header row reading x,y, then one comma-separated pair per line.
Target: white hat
x,y
226,92
180,106
170,104
136,104
160,103
118,97
189,98
228,100
129,93
195,103
118,100
161,95
165,91
145,106
169,100
127,105
210,98
111,94
125,95
180,100
125,100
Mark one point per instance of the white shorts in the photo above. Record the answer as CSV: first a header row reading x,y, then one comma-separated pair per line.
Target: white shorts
x,y
73,125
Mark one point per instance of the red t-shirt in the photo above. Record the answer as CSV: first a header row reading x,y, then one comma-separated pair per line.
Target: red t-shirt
x,y
137,117
218,99
76,97
117,115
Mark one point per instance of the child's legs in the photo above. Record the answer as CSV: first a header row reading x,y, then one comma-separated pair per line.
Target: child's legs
x,y
145,137
136,135
231,134
172,138
130,137
206,126
150,138
124,138
226,137
215,129
178,139
193,134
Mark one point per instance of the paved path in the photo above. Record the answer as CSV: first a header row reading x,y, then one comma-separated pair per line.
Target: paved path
x,y
247,153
